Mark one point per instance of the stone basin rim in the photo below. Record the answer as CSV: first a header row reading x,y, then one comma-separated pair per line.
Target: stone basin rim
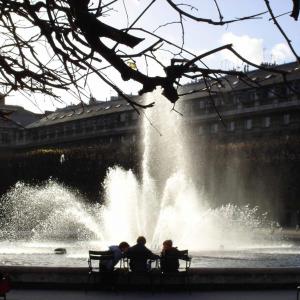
x,y
46,269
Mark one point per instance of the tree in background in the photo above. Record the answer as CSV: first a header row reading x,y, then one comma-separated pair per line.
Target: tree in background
x,y
57,44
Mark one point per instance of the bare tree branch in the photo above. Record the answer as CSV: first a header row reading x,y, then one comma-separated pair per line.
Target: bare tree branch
x,y
79,43
289,42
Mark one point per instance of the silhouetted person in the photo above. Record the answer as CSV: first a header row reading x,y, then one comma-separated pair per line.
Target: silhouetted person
x,y
297,219
118,252
170,256
139,255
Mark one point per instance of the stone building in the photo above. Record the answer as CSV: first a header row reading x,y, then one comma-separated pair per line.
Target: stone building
x,y
13,120
266,106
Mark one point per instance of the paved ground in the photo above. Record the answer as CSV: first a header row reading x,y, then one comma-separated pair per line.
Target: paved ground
x,y
97,295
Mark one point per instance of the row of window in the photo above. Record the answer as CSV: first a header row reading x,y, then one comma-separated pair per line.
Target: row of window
x,y
60,133
124,139
81,111
206,105
266,122
118,120
84,126
250,98
122,117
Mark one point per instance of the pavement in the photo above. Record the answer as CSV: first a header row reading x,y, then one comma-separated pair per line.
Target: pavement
x,y
36,294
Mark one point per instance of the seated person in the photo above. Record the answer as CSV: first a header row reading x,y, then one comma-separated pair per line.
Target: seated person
x,y
170,256
117,253
138,255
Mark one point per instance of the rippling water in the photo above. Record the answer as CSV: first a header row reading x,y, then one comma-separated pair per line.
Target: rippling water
x,y
41,253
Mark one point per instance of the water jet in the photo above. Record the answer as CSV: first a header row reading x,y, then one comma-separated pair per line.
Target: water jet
x,y
163,202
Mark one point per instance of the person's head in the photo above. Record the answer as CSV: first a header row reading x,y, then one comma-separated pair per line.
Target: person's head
x,y
141,240
123,246
167,244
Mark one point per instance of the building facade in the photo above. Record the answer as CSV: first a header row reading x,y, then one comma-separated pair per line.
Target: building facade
x,y
269,105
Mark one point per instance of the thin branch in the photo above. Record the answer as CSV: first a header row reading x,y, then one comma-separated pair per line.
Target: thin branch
x,y
210,21
267,2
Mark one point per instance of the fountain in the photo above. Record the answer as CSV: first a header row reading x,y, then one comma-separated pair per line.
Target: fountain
x,y
164,202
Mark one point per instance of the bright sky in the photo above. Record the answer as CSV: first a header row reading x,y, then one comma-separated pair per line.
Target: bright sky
x,y
258,40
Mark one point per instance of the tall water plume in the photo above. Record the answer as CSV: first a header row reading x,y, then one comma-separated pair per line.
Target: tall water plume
x,y
165,203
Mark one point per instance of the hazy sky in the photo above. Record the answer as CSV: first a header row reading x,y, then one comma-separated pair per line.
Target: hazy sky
x,y
258,40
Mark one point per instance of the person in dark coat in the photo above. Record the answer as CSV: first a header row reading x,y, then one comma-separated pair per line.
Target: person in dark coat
x,y
117,252
170,256
138,256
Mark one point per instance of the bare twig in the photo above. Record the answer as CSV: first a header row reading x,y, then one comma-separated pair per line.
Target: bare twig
x,y
289,42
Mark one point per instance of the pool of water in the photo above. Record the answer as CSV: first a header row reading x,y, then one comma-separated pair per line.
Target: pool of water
x,y
41,253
